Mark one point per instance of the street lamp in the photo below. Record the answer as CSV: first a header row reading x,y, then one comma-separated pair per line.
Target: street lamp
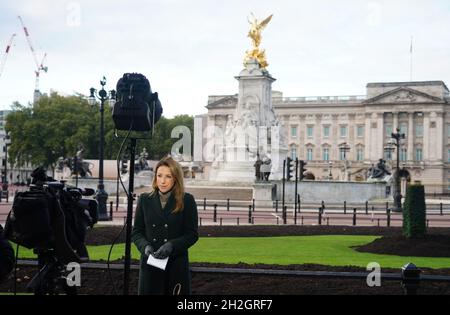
x,y
344,148
102,95
330,175
392,145
5,177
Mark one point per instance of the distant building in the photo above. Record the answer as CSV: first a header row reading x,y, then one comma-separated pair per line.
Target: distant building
x,y
316,128
15,174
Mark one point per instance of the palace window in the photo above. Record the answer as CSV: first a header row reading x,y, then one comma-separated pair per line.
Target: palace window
x,y
343,131
419,154
326,154
294,131
310,131
309,154
403,154
326,131
360,131
293,153
404,128
419,130
360,154
388,130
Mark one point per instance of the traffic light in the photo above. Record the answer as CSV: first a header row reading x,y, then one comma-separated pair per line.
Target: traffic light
x,y
302,169
123,167
290,168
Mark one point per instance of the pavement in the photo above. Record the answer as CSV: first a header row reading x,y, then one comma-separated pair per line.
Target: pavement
x,y
237,213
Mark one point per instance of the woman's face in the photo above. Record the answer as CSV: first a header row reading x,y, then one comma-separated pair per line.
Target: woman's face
x,y
164,179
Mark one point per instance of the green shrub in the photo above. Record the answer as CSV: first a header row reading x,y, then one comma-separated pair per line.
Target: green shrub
x,y
414,212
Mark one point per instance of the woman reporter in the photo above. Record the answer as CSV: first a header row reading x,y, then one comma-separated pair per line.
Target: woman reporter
x,y
166,225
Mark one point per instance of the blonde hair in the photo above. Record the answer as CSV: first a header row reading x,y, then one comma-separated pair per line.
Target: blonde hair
x,y
178,185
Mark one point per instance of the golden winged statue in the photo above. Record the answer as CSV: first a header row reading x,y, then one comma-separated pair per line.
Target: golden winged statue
x,y
254,33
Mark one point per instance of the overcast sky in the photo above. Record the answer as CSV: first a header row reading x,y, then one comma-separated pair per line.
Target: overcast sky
x,y
190,49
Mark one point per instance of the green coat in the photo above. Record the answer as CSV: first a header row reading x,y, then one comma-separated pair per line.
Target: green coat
x,y
155,226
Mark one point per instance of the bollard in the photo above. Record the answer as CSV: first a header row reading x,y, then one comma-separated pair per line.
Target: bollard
x,y
215,213
441,208
354,216
200,221
320,216
367,207
345,207
388,217
111,211
204,203
328,221
378,222
410,279
250,214
237,221
228,204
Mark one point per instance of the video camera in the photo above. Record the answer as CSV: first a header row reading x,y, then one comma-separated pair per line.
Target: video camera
x,y
52,218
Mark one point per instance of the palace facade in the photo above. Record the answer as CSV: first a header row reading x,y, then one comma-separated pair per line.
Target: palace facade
x,y
341,137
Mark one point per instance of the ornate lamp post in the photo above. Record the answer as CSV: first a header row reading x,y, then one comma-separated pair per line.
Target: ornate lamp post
x,y
344,148
5,177
102,95
395,145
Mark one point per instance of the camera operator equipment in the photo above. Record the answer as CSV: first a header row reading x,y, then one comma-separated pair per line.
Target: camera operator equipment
x,y
52,218
136,109
6,256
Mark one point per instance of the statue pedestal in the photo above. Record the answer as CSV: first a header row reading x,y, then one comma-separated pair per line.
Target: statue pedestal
x,y
264,194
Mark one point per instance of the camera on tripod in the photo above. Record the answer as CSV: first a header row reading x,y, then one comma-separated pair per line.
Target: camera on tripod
x,y
52,219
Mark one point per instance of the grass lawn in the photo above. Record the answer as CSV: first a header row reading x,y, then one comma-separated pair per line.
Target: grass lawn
x,y
334,250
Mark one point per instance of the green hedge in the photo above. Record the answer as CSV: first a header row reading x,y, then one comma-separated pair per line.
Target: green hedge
x,y
414,212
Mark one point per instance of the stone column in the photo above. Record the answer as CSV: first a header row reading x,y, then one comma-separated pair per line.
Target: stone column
x,y
367,138
426,136
395,122
302,137
440,136
379,149
410,136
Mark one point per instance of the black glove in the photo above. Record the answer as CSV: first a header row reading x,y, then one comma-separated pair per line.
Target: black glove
x,y
164,251
148,250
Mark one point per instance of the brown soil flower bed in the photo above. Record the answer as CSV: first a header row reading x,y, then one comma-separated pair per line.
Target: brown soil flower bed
x,y
391,242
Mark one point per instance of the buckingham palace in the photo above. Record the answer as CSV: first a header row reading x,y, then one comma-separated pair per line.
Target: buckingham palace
x,y
342,137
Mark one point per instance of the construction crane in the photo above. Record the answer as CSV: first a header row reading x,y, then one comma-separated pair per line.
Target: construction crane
x,y
39,66
5,56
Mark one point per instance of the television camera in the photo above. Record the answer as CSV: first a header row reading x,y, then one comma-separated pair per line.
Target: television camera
x,y
52,219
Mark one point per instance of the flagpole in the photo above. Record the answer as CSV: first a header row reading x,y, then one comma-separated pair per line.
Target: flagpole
x,y
411,60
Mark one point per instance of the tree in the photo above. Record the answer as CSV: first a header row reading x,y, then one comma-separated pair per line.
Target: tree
x,y
414,212
52,128
57,125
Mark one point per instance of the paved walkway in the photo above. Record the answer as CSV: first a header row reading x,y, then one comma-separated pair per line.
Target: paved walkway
x,y
241,198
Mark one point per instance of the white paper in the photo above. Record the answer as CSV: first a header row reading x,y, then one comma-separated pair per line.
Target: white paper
x,y
158,263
